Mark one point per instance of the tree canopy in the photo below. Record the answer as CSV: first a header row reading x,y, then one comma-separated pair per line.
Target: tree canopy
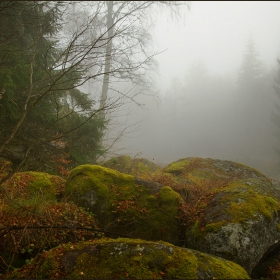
x,y
41,105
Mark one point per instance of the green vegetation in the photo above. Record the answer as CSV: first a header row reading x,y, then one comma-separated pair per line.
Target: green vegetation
x,y
123,206
127,258
214,226
138,167
239,202
177,167
39,222
95,188
246,202
41,110
106,200
41,226
84,177
35,188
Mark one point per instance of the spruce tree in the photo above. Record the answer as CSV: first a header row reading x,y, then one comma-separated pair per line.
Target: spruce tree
x,y
39,97
251,68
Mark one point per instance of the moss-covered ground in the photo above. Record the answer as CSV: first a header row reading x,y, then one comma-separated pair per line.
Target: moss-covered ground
x,y
201,195
33,219
27,186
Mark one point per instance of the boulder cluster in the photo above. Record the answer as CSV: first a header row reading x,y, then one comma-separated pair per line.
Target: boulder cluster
x,y
195,218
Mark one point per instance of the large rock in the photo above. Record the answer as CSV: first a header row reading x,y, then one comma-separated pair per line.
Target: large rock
x,y
29,185
237,218
128,258
133,166
33,220
146,211
27,230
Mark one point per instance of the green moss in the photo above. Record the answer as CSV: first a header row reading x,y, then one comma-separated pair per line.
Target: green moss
x,y
128,258
214,226
177,167
122,206
201,177
161,220
246,202
44,266
134,166
184,265
122,164
32,189
221,269
114,264
239,202
84,177
140,168
94,187
278,227
41,183
48,268
196,230
197,177
169,197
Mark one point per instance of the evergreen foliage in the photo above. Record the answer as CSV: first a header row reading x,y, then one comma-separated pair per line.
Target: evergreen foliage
x,y
252,67
56,120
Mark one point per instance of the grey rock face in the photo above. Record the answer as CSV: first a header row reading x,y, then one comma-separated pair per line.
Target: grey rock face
x,y
238,217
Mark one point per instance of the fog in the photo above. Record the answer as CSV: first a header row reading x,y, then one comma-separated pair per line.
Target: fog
x,y
202,109
216,32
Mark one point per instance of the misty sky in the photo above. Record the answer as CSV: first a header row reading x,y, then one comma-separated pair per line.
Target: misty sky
x,y
216,33
215,121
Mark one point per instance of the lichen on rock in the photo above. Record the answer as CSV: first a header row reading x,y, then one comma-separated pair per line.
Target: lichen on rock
x,y
239,217
128,258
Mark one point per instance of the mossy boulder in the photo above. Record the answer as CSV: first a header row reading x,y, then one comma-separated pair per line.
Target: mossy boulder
x,y
201,171
127,258
25,187
136,167
28,230
123,206
237,215
95,188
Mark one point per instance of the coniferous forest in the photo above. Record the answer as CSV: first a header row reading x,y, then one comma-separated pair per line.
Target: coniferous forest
x,y
103,174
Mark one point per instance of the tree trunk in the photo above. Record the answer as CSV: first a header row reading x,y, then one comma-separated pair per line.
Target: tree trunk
x,y
106,78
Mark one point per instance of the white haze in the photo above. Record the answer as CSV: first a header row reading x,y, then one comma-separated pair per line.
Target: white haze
x,y
212,121
216,32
